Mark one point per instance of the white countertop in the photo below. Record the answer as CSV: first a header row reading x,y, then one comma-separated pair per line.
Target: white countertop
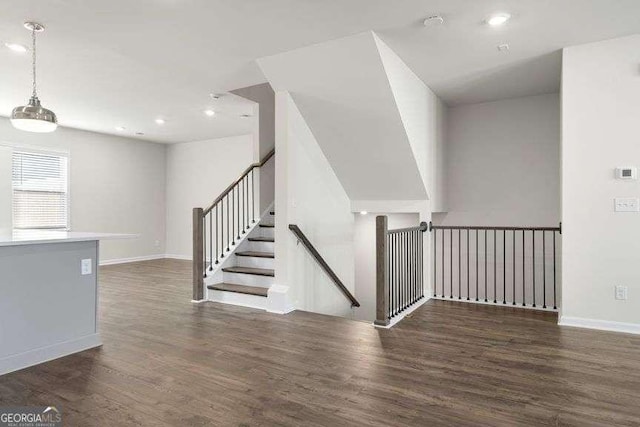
x,y
34,237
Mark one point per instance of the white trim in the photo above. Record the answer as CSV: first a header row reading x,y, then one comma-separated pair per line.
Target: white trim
x,y
45,354
199,301
602,325
404,314
497,304
132,259
175,256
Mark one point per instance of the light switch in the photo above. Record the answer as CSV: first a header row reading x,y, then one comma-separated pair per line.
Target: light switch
x,y
627,204
621,293
85,267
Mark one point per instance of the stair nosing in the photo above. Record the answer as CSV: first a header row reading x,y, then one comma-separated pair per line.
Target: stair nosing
x,y
267,225
238,291
256,271
262,254
262,239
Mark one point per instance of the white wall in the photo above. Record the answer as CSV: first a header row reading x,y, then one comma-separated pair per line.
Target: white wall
x,y
116,185
365,257
197,172
423,116
601,112
503,161
6,190
310,195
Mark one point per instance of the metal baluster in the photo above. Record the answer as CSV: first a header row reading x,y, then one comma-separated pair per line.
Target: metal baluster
x,y
495,275
459,268
217,207
388,245
485,265
435,262
247,202
210,240
204,243
228,235
468,264
523,278
513,297
237,190
533,265
450,263
396,287
407,274
443,238
504,266
244,205
477,262
544,271
253,198
554,271
222,230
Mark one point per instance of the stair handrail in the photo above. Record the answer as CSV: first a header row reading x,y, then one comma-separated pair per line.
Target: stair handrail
x,y
240,214
261,163
316,255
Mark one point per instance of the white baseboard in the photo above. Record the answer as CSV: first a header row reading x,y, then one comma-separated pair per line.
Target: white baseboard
x,y
602,325
404,314
45,354
132,259
175,256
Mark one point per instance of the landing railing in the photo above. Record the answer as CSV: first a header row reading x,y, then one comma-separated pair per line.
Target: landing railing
x,y
217,228
514,266
399,269
323,264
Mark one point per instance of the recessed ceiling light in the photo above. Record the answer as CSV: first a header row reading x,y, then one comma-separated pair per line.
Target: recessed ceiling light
x,y
433,21
210,113
503,47
139,133
363,212
498,19
215,95
16,47
160,121
120,128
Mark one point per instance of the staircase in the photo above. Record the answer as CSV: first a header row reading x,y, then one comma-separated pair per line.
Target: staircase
x,y
245,276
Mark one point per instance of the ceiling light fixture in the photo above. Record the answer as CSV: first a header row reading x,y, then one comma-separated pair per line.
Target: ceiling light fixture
x,y
210,113
503,47
160,121
33,117
121,128
498,19
16,47
363,212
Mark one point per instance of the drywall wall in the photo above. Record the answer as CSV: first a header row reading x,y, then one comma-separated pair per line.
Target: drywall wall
x,y
265,106
116,185
310,196
600,111
6,191
197,172
503,163
365,257
423,116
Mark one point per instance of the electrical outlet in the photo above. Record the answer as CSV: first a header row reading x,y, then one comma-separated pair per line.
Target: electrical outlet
x,y
85,267
621,293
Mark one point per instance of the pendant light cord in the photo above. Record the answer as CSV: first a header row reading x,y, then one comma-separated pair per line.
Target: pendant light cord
x,y
33,57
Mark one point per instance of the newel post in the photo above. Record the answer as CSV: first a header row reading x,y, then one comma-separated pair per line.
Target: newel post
x,y
382,272
198,257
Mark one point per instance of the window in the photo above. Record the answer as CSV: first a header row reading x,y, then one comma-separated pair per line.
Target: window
x,y
40,190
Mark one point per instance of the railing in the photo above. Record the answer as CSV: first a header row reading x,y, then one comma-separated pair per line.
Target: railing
x,y
496,265
217,227
399,269
314,253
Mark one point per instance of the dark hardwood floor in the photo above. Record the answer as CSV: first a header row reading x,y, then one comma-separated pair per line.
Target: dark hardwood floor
x,y
166,361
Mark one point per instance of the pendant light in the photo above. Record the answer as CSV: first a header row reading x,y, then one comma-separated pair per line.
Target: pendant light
x,y
33,117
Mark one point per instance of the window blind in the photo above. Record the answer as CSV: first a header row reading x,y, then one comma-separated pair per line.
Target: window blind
x,y
40,190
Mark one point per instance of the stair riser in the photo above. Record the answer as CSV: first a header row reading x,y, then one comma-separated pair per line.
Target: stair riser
x,y
248,279
260,246
245,261
237,299
267,232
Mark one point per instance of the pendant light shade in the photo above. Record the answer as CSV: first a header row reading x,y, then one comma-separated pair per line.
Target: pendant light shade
x,y
33,117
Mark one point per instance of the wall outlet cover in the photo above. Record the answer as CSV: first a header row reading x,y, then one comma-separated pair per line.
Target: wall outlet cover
x,y
626,204
85,267
621,293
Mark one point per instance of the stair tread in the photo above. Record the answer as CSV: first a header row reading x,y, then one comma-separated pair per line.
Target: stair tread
x,y
250,270
256,254
261,239
240,289
267,225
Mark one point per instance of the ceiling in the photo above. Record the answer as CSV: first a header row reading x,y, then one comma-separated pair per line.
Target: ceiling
x,y
104,64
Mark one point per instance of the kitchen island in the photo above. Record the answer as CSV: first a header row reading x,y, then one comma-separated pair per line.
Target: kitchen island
x,y
48,295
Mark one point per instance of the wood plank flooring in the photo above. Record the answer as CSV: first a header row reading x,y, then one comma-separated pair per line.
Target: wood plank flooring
x,y
168,362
